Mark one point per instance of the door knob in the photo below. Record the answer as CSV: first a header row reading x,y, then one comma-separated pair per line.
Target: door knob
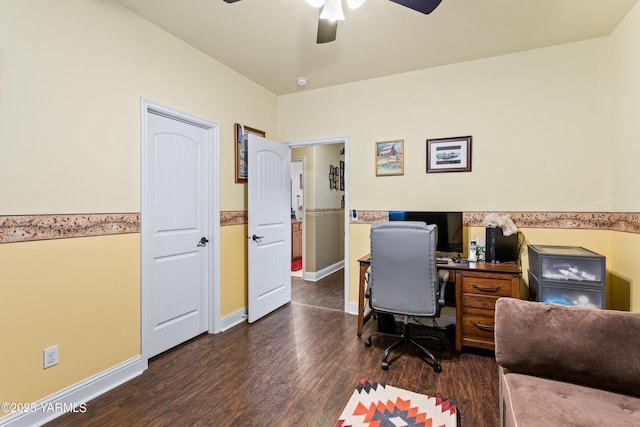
x,y
203,242
256,238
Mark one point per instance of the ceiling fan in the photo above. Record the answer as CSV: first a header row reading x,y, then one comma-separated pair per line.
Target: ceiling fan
x,y
331,13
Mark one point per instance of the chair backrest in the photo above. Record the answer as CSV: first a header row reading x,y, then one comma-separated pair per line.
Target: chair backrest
x,y
404,277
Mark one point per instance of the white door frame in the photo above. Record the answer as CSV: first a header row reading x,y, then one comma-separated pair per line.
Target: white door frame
x,y
213,297
326,141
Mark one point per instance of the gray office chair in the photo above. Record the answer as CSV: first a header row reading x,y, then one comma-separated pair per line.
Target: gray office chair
x,y
403,279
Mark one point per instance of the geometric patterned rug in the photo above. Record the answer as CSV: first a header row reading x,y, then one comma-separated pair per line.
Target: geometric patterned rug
x,y
378,405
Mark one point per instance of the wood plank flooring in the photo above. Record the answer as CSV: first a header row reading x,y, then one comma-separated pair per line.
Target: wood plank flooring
x,y
296,367
327,292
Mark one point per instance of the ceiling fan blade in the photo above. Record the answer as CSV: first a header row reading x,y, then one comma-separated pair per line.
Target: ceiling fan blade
x,y
231,1
423,6
326,31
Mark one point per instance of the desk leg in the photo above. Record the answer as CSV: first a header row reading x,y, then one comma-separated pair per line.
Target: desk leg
x,y
458,311
362,318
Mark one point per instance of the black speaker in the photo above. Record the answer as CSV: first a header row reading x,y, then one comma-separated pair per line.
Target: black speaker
x,y
500,248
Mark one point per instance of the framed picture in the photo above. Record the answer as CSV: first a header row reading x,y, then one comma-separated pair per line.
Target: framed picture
x,y
341,175
241,139
390,158
449,154
331,177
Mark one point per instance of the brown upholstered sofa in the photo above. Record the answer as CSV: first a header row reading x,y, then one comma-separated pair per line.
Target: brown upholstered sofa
x,y
566,366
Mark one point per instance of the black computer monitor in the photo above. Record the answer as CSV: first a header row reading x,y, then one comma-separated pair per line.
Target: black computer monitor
x,y
449,227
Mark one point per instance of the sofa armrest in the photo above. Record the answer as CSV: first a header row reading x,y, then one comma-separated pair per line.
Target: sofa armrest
x,y
596,348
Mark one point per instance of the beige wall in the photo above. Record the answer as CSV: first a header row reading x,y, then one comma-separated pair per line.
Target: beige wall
x,y
80,294
73,72
625,147
539,138
625,109
329,240
71,76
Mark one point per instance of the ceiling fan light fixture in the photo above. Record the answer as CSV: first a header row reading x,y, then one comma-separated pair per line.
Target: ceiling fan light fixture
x,y
332,10
316,3
354,4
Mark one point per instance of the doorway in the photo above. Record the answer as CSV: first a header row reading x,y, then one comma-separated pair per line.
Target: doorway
x,y
324,204
180,227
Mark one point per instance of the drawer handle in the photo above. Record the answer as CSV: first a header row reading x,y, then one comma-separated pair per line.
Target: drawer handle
x,y
487,288
483,327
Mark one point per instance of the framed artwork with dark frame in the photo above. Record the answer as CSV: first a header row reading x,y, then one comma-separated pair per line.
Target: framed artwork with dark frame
x,y
390,158
332,175
241,139
449,154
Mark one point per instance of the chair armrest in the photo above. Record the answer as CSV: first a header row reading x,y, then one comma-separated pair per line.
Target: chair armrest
x,y
443,277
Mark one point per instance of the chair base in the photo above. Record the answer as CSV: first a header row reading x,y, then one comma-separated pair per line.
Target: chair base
x,y
405,337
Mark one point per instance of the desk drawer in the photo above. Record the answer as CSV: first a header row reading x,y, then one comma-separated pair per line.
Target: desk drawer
x,y
477,328
485,302
486,286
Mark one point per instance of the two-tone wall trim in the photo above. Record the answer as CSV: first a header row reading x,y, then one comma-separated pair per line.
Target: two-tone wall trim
x,y
25,228
628,222
234,218
323,212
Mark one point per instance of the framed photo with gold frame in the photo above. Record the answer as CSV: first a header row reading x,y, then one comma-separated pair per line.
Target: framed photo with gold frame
x,y
390,157
241,140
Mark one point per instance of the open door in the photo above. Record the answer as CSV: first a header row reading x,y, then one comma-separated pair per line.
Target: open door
x,y
269,176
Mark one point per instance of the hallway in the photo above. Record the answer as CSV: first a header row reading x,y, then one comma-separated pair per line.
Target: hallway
x,y
325,293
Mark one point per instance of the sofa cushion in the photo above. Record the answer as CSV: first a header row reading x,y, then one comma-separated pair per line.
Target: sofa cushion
x,y
597,348
534,401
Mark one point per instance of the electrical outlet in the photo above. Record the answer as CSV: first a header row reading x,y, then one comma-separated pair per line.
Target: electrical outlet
x,y
50,356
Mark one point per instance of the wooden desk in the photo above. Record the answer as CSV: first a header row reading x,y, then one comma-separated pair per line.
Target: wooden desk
x,y
478,286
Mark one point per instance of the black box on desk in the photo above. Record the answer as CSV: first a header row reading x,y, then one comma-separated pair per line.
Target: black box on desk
x,y
500,248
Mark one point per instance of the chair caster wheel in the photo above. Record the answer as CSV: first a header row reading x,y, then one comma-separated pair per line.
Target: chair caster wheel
x,y
385,366
437,368
367,342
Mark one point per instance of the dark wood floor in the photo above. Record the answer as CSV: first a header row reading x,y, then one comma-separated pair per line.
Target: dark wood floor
x,y
296,367
327,292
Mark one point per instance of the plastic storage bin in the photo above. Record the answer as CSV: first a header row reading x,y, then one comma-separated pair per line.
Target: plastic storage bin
x,y
568,263
568,275
577,295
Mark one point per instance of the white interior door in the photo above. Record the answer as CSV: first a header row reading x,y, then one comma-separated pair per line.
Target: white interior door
x,y
176,230
269,226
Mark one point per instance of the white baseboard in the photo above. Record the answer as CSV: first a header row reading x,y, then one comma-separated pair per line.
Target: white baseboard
x,y
74,398
353,308
317,275
233,319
